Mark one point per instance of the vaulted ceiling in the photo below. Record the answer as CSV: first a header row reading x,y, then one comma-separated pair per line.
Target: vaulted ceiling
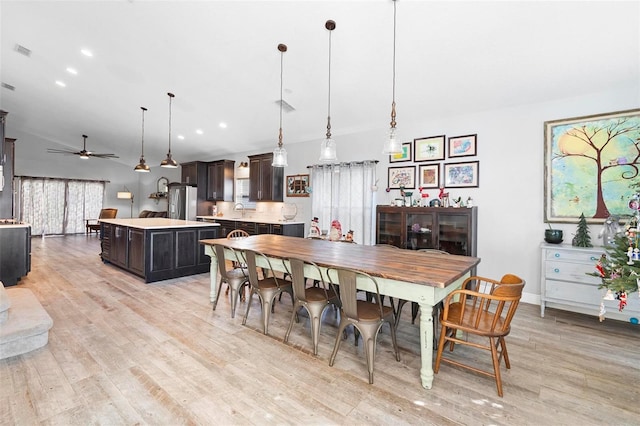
x,y
220,59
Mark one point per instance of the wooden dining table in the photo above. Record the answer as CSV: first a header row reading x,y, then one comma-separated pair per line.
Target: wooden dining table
x,y
419,277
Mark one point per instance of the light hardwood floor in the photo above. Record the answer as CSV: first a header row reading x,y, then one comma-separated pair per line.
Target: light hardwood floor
x,y
122,352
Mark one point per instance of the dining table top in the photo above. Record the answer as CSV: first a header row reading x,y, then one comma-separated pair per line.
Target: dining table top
x,y
432,269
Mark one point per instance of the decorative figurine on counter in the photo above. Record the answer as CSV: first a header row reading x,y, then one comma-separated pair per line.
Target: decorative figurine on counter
x,y
336,231
349,236
314,230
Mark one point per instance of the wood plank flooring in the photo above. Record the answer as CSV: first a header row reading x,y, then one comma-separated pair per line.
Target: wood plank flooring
x,y
122,352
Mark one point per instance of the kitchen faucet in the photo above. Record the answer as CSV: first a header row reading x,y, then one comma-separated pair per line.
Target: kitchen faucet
x,y
241,206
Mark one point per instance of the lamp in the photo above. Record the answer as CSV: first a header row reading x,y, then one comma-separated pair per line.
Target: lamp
x,y
243,165
126,195
142,166
169,162
328,147
280,154
391,145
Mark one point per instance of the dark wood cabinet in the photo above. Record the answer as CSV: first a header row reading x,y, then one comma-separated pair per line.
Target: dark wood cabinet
x,y
220,175
453,230
257,228
7,150
157,254
15,253
195,173
266,183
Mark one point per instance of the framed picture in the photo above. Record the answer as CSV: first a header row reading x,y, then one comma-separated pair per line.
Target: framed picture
x,y
402,177
590,163
429,149
405,155
463,146
298,186
461,175
429,176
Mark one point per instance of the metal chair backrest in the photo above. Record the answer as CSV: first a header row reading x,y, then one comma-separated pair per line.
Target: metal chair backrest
x,y
347,280
299,280
220,256
250,259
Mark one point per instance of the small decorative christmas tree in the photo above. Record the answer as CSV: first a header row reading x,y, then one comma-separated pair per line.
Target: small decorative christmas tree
x,y
582,238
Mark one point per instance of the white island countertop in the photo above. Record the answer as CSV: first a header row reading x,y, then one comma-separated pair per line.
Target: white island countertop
x,y
250,219
157,223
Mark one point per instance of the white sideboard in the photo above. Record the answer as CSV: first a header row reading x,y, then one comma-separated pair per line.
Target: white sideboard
x,y
566,285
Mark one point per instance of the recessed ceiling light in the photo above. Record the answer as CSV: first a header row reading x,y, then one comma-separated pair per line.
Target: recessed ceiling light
x,y
199,131
87,52
60,83
223,125
181,137
72,71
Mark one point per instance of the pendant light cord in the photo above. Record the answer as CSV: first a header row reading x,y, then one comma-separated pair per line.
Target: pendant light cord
x,y
329,97
171,95
281,73
142,152
393,101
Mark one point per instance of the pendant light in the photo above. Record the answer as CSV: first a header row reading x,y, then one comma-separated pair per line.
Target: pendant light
x,y
280,154
392,145
169,162
328,147
142,167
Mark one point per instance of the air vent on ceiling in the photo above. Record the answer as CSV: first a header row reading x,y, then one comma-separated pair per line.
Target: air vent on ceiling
x,y
286,107
22,50
8,86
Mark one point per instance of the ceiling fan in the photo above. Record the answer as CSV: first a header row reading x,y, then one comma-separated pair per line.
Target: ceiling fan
x,y
84,154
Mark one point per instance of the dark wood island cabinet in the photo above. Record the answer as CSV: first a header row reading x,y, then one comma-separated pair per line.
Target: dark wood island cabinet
x,y
157,248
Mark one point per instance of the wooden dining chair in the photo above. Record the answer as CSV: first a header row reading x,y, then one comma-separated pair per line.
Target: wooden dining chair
x,y
313,299
267,289
235,278
485,314
367,317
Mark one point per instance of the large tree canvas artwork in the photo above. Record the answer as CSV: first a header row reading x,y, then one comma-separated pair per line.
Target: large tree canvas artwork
x,y
590,163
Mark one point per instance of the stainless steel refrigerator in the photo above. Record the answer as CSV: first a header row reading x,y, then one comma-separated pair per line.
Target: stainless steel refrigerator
x,y
183,200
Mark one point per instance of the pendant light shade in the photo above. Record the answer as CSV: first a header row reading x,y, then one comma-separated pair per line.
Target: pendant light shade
x,y
392,145
280,154
169,162
142,166
328,147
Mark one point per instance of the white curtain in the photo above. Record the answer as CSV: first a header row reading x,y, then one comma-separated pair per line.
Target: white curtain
x,y
58,206
344,192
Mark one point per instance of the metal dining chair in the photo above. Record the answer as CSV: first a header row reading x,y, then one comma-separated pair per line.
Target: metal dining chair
x,y
367,317
313,299
267,289
236,278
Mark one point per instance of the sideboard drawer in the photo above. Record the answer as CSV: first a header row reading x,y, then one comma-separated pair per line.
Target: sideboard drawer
x,y
574,292
575,272
573,256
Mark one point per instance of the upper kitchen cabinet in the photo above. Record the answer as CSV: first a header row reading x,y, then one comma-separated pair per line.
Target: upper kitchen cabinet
x,y
6,171
195,173
266,183
220,176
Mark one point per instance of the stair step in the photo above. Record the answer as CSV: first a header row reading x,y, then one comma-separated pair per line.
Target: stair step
x,y
27,325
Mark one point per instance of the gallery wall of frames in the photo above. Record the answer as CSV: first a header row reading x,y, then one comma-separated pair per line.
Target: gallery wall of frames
x,y
437,162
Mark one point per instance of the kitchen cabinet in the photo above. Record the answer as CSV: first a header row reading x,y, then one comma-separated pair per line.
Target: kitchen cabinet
x,y
266,183
154,252
453,230
15,253
195,173
565,283
257,228
7,162
220,179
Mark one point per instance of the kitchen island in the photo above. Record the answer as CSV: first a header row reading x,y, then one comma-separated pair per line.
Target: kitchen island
x,y
156,248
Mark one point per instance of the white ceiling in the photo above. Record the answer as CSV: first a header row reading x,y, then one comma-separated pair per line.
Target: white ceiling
x,y
220,59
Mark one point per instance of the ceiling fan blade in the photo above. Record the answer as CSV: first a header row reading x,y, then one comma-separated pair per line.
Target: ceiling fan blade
x,y
104,155
61,151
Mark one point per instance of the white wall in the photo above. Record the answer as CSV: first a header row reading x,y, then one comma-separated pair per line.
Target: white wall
x,y
510,197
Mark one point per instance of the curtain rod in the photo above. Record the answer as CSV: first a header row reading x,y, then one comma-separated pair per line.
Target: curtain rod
x,y
347,163
64,179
